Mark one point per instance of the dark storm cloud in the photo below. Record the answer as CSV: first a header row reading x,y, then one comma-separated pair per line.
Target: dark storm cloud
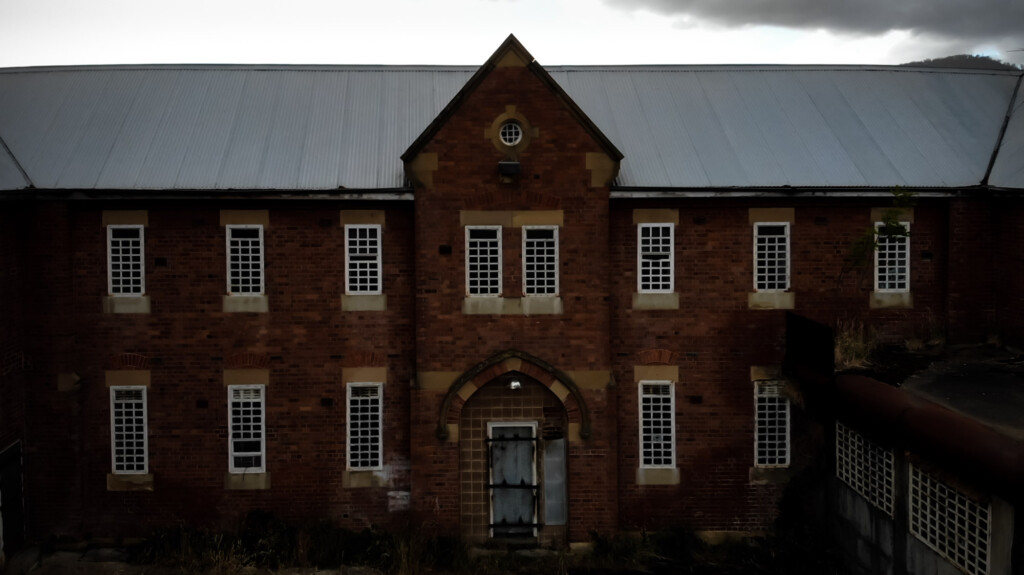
x,y
960,21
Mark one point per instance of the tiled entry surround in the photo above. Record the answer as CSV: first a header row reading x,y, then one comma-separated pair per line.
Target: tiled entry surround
x,y
497,402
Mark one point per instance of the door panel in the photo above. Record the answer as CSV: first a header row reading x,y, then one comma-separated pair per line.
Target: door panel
x,y
513,489
554,482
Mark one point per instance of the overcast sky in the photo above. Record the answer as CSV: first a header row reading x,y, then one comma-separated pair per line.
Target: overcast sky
x,y
59,32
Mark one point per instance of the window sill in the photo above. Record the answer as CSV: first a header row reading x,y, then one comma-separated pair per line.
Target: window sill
x,y
365,302
355,478
656,301
771,300
246,304
891,300
246,481
129,482
126,304
657,476
512,305
768,475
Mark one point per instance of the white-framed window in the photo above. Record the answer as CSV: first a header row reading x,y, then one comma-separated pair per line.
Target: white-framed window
x,y
247,428
540,260
365,413
129,441
511,133
245,259
126,257
954,525
771,425
362,248
483,260
866,467
771,256
892,259
657,424
655,259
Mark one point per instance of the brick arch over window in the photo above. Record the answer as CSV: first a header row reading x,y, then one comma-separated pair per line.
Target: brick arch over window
x,y
656,357
513,361
128,361
246,360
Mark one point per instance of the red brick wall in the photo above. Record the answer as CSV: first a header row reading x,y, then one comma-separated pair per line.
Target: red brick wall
x,y
189,341
972,234
553,176
716,339
13,360
1007,232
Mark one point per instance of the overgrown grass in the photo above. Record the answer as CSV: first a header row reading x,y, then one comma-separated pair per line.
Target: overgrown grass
x,y
854,344
264,541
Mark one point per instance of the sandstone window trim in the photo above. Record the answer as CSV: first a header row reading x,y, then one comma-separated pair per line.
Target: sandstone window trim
x,y
771,256
126,260
364,414
247,428
540,261
772,412
892,260
949,522
657,424
363,259
245,248
129,430
868,468
483,261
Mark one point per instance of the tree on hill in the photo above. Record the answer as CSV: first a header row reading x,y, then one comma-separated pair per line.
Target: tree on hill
x,y
965,61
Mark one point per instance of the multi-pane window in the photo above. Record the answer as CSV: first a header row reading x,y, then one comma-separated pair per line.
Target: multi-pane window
x,y
949,522
654,258
771,256
483,260
245,259
247,428
657,424
540,260
771,425
126,270
365,419
866,467
362,246
892,258
129,446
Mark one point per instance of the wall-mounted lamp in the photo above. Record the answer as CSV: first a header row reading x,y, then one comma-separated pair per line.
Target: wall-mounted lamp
x,y
508,169
515,385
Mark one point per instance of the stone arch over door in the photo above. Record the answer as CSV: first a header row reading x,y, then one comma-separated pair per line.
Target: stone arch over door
x,y
558,382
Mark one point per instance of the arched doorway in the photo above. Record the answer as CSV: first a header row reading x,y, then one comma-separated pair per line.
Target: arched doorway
x,y
512,470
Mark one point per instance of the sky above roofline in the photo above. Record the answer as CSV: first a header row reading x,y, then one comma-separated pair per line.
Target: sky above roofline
x,y
71,32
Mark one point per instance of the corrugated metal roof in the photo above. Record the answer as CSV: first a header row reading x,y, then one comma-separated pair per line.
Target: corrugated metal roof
x,y
219,127
1008,170
724,127
330,127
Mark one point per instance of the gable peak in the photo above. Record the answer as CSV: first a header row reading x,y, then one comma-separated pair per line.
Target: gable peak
x,y
511,53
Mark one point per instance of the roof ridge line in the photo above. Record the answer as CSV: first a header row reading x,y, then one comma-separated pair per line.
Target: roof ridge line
x,y
1002,131
17,164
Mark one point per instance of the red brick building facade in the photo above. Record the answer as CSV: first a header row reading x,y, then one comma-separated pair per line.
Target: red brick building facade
x,y
504,368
